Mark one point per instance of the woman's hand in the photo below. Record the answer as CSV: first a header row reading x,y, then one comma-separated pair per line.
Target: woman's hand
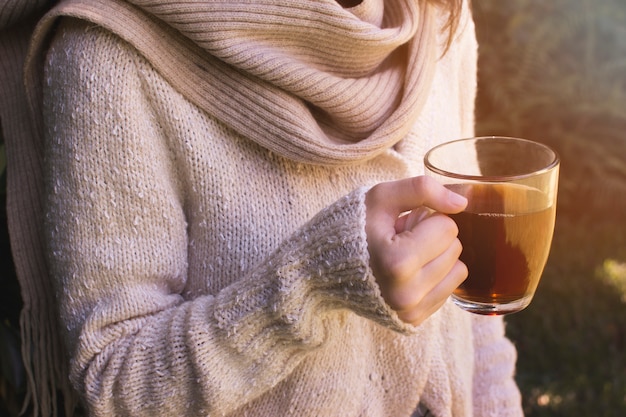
x,y
413,246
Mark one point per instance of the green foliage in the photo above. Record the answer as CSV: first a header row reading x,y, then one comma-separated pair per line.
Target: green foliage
x,y
555,72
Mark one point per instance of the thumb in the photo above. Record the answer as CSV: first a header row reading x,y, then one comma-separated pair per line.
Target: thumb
x,y
400,196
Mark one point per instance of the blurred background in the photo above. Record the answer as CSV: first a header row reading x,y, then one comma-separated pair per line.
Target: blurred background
x,y
555,72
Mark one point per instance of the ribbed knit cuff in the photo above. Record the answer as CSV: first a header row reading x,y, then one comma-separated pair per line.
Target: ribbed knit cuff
x,y
321,269
339,272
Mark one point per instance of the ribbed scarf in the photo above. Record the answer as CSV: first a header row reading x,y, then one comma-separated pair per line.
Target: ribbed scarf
x,y
306,79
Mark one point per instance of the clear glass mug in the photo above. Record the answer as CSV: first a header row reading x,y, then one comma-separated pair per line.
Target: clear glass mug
x,y
507,228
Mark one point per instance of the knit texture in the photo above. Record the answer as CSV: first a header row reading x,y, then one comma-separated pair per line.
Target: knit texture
x,y
305,79
202,270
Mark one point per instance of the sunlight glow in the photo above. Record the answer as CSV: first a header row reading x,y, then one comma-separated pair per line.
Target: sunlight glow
x,y
613,272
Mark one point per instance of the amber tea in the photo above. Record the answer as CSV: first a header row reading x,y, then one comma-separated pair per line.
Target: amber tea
x,y
506,232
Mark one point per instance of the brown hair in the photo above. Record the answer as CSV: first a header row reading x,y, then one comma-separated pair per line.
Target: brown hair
x,y
454,8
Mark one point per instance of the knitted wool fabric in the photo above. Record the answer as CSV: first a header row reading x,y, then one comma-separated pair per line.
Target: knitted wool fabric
x,y
209,264
306,79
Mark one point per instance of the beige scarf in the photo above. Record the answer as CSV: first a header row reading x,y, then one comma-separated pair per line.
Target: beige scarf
x,y
305,79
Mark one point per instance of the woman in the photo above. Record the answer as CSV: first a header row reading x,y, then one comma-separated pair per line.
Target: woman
x,y
225,185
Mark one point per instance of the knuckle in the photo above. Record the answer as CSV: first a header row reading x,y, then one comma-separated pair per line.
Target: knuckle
x,y
462,270
400,302
422,185
414,317
380,191
398,270
450,226
446,225
373,194
457,246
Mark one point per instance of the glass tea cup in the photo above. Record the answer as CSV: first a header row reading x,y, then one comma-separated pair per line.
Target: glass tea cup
x,y
506,230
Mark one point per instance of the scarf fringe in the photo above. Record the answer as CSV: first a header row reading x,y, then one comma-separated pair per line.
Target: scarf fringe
x,y
42,351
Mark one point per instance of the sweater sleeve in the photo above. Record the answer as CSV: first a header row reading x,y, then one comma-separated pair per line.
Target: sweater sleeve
x,y
117,236
495,392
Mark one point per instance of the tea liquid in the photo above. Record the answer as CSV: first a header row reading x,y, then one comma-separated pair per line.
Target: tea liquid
x,y
506,232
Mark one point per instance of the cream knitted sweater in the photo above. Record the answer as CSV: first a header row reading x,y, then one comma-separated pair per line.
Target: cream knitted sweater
x,y
199,273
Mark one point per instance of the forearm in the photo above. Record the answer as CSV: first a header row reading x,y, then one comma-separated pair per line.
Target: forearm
x,y
216,353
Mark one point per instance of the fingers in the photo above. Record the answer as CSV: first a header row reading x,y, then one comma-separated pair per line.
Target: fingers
x,y
409,251
385,203
420,268
411,289
408,194
429,238
435,299
409,220
425,294
414,256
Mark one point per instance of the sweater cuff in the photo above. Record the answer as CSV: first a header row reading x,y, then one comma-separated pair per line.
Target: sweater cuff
x,y
321,269
339,272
